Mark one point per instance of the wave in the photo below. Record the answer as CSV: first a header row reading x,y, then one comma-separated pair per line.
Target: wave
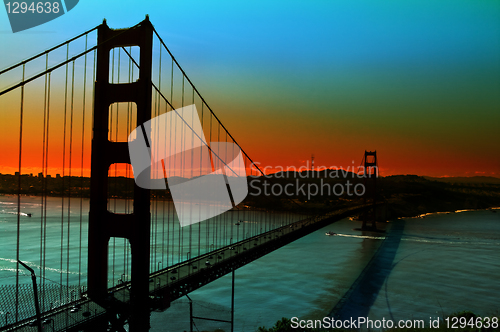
x,y
20,213
15,270
457,241
22,203
8,260
35,266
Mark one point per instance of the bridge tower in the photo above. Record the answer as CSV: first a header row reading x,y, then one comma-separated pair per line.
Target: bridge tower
x,y
370,183
104,224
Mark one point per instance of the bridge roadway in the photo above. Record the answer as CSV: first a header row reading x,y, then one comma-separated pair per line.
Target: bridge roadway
x,y
178,280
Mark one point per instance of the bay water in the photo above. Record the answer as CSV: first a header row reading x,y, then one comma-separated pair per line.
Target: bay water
x,y
433,266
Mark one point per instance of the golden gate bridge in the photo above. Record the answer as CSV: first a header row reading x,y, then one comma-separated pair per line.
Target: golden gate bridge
x,y
118,249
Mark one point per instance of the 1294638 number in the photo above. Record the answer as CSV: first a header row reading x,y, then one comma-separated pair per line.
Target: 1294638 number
x,y
473,322
33,7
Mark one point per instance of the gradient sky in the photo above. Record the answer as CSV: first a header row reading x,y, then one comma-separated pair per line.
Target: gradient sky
x,y
418,81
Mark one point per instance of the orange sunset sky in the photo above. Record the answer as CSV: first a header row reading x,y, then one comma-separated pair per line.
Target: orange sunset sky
x,y
417,81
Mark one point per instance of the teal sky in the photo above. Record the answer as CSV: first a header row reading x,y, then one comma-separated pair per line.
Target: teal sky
x,y
419,81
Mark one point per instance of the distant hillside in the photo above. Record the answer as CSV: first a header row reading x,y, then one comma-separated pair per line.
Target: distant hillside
x,y
323,173
305,192
472,179
411,195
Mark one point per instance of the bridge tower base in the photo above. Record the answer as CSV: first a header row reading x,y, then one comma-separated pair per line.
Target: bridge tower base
x,y
370,184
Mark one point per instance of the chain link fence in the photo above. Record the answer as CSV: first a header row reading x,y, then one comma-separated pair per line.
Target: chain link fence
x,y
17,302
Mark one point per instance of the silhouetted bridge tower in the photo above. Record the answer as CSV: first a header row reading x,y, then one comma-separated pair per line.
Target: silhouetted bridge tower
x,y
103,224
370,169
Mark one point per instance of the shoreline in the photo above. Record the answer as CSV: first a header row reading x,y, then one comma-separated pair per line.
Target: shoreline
x,y
423,215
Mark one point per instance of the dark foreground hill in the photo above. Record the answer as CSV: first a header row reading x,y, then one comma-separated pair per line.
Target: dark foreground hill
x,y
411,195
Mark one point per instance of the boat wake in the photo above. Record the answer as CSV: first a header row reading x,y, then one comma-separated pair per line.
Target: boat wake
x,y
362,236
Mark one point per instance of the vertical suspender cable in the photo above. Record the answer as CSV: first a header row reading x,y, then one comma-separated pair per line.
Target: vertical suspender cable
x,y
176,174
154,172
191,176
183,163
181,170
163,200
211,169
81,167
174,159
219,217
169,165
225,215
63,174
154,216
110,126
42,228
19,193
201,173
46,149
237,174
69,172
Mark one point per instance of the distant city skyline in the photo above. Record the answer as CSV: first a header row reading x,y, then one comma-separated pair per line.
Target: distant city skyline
x,y
417,81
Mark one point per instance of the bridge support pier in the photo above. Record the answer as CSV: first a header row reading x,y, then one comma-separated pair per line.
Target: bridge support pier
x,y
104,224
